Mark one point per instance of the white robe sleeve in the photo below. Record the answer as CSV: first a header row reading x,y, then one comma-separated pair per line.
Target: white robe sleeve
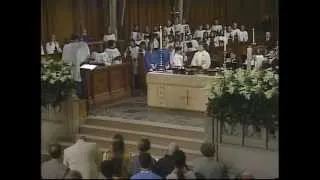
x,y
206,61
195,59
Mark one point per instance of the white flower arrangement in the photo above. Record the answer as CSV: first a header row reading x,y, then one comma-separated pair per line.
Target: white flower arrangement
x,y
56,79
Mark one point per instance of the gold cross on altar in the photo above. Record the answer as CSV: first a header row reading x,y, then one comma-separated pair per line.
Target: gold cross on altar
x,y
186,98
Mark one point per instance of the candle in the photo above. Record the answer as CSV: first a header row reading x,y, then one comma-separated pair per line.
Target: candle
x,y
225,39
253,36
160,37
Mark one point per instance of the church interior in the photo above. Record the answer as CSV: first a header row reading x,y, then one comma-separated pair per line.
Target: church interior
x,y
179,81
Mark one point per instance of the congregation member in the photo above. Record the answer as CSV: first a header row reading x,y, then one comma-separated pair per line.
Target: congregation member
x,y
54,168
201,58
244,175
115,163
73,175
243,34
181,170
84,157
112,52
53,46
178,59
145,170
217,27
110,36
207,166
166,164
144,146
169,28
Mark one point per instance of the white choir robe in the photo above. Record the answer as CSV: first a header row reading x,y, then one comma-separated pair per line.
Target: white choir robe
x,y
178,28
155,44
134,35
112,53
235,31
134,51
169,29
216,28
199,34
42,51
201,58
50,47
177,60
109,37
243,36
185,28
82,52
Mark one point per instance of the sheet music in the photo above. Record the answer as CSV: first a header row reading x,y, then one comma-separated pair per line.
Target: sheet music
x,y
88,66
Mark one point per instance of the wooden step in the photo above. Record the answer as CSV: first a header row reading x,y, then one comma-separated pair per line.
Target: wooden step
x,y
135,136
147,126
131,146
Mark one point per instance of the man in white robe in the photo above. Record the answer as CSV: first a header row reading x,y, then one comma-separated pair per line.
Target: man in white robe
x,y
83,157
243,34
201,58
53,45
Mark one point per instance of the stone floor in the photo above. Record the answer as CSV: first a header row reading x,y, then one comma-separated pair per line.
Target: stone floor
x,y
136,108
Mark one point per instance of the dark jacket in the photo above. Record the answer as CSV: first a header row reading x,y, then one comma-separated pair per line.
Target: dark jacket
x,y
164,166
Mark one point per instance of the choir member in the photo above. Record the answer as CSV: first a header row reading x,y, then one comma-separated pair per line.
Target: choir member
x,y
235,30
190,44
201,58
207,28
268,41
53,45
84,36
154,41
142,48
178,57
243,34
156,31
135,32
177,27
217,27
147,35
198,34
169,29
110,35
170,42
132,50
229,33
185,27
112,52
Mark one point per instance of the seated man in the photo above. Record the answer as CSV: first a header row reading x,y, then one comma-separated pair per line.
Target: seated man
x,y
54,168
53,46
201,58
112,52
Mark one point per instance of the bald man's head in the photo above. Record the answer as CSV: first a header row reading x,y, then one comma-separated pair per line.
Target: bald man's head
x,y
173,147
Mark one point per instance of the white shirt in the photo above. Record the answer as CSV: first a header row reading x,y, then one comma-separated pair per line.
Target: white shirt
x,y
216,28
155,43
42,51
201,58
109,37
243,36
50,47
112,53
178,28
177,60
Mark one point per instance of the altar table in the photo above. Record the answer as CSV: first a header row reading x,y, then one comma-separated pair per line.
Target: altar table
x,y
177,91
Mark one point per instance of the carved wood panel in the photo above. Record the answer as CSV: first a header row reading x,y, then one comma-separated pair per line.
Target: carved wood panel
x,y
100,82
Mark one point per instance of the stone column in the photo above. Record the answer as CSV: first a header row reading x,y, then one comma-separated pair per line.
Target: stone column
x,y
181,10
113,15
